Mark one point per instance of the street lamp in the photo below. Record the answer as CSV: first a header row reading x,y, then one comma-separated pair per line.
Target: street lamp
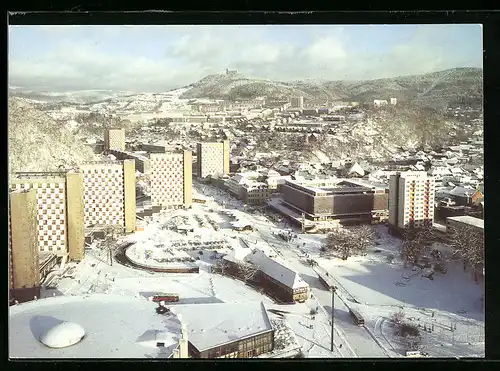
x,y
333,289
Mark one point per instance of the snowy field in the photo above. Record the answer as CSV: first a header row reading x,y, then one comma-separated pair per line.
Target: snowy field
x,y
450,304
377,289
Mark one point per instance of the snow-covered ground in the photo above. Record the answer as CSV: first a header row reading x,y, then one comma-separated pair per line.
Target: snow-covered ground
x,y
114,326
370,284
378,288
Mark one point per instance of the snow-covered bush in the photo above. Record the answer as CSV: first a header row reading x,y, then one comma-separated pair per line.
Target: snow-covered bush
x,y
398,317
406,329
284,337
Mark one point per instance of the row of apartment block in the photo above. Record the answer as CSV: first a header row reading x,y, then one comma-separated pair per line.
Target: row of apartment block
x,y
171,172
51,212
57,208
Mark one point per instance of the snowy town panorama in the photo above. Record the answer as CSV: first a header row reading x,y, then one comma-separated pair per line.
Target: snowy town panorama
x,y
174,193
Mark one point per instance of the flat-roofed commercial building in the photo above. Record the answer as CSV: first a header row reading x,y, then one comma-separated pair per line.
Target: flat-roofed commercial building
x,y
476,224
411,199
334,199
112,326
227,330
212,159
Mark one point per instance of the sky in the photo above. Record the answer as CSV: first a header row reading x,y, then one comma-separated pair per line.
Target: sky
x,y
160,58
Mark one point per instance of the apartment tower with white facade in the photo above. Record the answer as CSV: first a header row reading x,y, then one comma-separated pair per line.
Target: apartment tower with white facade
x,y
411,199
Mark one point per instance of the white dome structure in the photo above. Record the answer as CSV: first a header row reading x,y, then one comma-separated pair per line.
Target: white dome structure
x,y
63,335
91,326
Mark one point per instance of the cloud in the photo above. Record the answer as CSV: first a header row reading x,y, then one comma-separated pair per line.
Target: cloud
x,y
326,49
90,58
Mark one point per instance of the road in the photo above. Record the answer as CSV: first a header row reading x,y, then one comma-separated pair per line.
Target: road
x,y
356,341
350,340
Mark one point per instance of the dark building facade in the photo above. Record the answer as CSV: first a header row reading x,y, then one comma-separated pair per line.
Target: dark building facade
x,y
249,347
346,201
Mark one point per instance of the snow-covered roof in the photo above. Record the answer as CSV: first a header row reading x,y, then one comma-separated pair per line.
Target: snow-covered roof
x,y
241,178
237,255
276,270
272,173
467,219
113,324
357,169
211,325
462,192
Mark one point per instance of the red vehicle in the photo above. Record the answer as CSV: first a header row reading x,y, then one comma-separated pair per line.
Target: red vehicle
x,y
166,297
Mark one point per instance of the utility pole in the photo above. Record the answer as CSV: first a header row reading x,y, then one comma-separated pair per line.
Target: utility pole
x,y
333,309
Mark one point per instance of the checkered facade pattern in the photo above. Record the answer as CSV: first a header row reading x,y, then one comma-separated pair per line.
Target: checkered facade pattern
x,y
114,139
103,194
211,159
51,213
167,179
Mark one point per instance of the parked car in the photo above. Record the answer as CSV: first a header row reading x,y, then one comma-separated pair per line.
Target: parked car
x,y
169,297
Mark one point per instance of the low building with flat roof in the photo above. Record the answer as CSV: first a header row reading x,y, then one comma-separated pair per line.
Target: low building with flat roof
x,y
465,220
333,199
114,327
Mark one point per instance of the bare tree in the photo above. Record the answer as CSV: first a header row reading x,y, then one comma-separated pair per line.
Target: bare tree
x,y
111,233
247,271
365,236
340,242
398,317
347,242
242,270
468,244
416,241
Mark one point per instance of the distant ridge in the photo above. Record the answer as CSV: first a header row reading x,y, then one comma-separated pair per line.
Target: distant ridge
x,y
457,85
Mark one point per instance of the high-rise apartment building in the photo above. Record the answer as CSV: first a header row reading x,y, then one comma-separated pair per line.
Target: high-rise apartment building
x,y
23,245
411,199
171,179
109,194
297,102
212,159
59,208
114,139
